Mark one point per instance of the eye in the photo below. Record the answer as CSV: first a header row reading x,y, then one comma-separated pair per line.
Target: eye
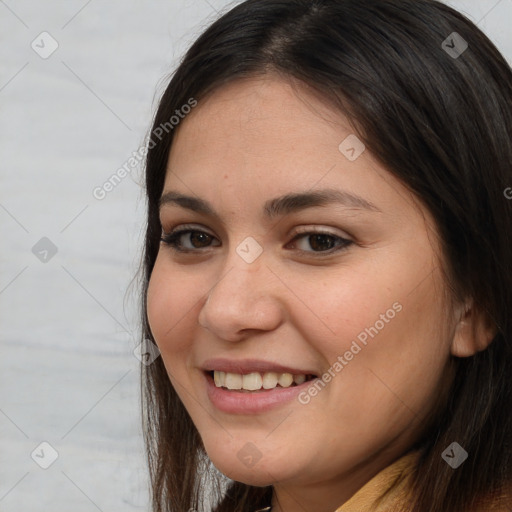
x,y
187,239
193,238
321,241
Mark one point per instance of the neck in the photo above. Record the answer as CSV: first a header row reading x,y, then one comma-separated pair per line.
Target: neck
x,y
327,496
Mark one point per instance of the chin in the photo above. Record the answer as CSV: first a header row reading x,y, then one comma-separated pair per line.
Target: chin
x,y
254,476
259,474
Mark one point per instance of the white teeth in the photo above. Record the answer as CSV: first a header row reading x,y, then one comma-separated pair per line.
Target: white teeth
x,y
252,381
233,381
270,380
285,380
220,378
255,381
299,379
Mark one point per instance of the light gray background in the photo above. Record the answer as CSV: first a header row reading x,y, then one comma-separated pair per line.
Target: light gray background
x,y
68,326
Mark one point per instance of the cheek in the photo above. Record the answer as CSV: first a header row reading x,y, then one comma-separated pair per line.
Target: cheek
x,y
158,301
170,309
390,332
336,311
167,306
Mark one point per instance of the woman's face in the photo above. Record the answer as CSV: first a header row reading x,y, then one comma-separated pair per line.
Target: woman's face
x,y
304,257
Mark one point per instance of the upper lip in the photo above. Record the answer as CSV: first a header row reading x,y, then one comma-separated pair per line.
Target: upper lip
x,y
245,366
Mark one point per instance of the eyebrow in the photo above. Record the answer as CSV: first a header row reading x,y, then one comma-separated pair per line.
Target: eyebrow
x,y
279,206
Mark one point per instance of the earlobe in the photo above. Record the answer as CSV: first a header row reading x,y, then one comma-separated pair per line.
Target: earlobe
x,y
473,332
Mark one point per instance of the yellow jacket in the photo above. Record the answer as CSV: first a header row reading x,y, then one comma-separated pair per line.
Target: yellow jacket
x,y
388,491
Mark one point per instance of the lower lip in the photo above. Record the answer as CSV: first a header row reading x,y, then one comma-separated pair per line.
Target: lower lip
x,y
237,402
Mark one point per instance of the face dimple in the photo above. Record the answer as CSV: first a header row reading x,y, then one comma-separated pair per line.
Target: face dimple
x,y
367,317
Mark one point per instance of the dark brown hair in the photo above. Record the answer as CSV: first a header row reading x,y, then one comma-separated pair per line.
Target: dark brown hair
x,y
440,124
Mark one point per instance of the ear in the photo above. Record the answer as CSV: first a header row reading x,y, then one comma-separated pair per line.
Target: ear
x,y
473,332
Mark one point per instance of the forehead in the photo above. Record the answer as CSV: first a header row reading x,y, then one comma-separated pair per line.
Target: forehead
x,y
264,137
265,109
258,127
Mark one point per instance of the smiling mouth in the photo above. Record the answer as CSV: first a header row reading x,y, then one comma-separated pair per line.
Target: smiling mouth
x,y
257,381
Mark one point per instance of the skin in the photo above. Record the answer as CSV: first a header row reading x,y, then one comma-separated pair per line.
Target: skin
x,y
250,141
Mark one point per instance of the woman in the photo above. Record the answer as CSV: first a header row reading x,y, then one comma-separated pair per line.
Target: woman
x,y
327,264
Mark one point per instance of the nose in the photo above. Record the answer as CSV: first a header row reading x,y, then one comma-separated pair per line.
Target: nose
x,y
244,300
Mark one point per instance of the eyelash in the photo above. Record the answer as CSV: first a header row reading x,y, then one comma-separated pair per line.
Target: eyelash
x,y
172,240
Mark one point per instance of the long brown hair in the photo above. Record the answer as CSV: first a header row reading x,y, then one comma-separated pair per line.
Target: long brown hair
x,y
439,122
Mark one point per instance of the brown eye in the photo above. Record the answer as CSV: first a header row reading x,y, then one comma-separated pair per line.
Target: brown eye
x,y
320,242
199,239
187,240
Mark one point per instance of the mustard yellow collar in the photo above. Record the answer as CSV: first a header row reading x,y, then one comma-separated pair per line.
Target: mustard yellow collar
x,y
386,490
